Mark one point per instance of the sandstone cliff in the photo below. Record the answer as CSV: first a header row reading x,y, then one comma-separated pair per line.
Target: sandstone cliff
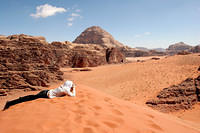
x,y
28,62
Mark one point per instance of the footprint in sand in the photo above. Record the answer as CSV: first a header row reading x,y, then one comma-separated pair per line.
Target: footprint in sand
x,y
96,114
106,99
155,126
88,130
97,107
52,101
79,102
78,119
92,123
116,119
80,112
110,124
149,115
117,112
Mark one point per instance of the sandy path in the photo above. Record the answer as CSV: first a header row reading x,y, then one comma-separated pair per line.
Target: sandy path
x,y
89,112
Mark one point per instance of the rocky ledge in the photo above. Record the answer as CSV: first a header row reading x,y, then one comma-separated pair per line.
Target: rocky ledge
x,y
177,97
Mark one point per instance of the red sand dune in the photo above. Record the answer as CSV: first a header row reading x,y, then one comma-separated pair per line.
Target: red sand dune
x,y
138,81
94,111
89,112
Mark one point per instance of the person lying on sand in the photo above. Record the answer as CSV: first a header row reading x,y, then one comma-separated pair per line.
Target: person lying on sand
x,y
68,88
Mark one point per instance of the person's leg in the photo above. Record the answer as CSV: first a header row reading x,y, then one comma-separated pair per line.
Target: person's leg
x,y
42,94
19,100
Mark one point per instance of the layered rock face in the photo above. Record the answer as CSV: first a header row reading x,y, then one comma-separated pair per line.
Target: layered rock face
x,y
176,97
178,47
195,49
113,55
96,35
87,55
28,62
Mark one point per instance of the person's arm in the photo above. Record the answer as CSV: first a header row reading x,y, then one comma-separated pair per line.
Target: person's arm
x,y
73,92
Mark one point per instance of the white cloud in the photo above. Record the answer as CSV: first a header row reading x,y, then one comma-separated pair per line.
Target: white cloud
x,y
147,33
137,36
75,15
142,35
78,10
47,10
70,19
69,24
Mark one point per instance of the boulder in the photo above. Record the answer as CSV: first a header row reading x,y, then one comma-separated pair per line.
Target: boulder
x,y
113,56
88,59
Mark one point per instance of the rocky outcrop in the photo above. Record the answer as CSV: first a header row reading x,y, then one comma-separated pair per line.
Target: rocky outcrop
x,y
178,47
177,97
113,56
29,63
183,53
195,49
88,59
96,35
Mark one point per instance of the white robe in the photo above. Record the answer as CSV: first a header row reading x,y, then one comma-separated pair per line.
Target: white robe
x,y
62,90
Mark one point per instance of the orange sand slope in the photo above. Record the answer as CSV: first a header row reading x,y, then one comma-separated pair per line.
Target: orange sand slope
x,y
89,112
138,81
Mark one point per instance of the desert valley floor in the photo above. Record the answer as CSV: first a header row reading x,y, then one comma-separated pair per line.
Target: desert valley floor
x,y
110,99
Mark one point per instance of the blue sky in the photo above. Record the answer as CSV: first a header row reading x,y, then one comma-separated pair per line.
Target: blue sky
x,y
136,23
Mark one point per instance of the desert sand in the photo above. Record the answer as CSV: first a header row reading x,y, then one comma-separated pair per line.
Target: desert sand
x,y
138,81
110,99
89,112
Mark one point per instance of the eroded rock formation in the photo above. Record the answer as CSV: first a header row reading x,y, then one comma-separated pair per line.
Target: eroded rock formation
x,y
28,62
113,55
177,97
178,47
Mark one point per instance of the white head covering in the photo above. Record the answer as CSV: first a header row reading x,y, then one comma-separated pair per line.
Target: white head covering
x,y
68,85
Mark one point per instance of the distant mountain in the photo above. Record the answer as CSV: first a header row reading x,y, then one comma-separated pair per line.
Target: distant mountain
x,y
146,49
96,35
160,49
142,48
